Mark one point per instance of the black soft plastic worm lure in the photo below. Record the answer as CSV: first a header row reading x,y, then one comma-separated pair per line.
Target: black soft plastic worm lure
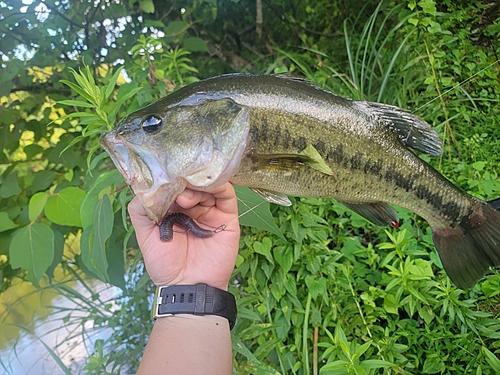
x,y
184,221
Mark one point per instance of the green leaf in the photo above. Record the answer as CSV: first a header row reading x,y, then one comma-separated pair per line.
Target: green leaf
x,y
315,286
37,204
176,28
63,208
492,359
94,239
9,72
112,82
80,91
76,103
491,286
32,150
390,303
10,186
433,365
370,364
32,248
335,368
58,253
284,257
254,211
89,203
195,44
5,222
124,98
254,366
147,6
264,248
360,350
42,180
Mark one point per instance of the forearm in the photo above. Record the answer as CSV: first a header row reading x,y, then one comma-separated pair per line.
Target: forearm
x,y
188,344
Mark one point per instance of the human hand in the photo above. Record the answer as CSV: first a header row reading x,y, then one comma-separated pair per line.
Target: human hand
x,y
188,259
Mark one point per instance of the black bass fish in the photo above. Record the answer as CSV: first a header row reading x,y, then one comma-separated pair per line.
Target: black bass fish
x,y
283,136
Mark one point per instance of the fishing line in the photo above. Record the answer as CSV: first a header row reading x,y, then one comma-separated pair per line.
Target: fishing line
x,y
454,87
250,209
184,221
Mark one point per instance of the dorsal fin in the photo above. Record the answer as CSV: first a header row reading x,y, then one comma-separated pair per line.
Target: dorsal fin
x,y
412,130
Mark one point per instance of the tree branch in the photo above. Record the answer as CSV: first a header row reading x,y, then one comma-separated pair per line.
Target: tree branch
x,y
56,11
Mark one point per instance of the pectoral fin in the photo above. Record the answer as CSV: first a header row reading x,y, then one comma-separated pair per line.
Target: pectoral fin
x,y
380,214
279,162
286,162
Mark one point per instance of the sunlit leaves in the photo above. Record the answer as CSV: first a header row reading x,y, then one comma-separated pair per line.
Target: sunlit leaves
x,y
102,118
63,208
32,248
37,204
147,6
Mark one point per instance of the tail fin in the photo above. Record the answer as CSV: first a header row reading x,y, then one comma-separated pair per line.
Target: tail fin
x,y
495,203
470,249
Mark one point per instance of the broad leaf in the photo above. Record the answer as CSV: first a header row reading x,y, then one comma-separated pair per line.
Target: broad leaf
x,y
94,237
32,248
42,180
10,186
195,44
176,28
254,211
5,222
104,180
147,6
37,204
63,208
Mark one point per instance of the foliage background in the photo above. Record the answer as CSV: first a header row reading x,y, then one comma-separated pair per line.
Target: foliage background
x,y
337,295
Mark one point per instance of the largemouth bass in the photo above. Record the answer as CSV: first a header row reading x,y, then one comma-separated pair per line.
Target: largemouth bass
x,y
282,136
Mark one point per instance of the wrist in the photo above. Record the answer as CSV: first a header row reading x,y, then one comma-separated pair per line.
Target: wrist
x,y
219,284
192,322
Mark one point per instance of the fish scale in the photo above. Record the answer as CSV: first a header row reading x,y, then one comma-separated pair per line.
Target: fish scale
x,y
353,169
282,136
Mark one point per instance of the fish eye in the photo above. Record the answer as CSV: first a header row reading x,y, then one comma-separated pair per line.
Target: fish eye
x,y
151,123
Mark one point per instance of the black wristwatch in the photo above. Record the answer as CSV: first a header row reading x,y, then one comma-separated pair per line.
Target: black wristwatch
x,y
199,299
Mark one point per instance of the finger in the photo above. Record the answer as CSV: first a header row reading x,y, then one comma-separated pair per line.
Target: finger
x,y
225,199
190,198
139,218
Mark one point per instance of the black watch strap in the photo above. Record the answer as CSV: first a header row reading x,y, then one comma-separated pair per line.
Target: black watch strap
x,y
199,299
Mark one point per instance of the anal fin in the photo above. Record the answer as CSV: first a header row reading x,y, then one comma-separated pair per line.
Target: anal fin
x,y
272,197
495,203
380,214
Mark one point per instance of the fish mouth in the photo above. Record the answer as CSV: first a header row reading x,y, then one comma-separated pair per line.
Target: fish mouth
x,y
129,162
140,169
143,172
